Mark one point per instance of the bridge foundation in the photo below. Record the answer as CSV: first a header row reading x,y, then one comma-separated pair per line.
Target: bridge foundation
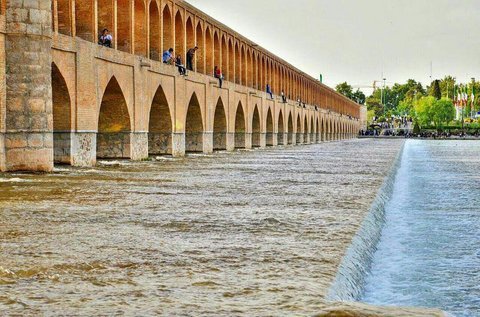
x,y
26,121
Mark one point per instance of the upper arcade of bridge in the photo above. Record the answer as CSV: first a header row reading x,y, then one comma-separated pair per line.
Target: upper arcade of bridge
x,y
149,27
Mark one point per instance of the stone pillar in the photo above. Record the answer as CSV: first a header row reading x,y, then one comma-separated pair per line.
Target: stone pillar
x,y
84,149
178,144
263,140
139,146
230,141
207,142
294,138
248,140
285,138
27,132
275,139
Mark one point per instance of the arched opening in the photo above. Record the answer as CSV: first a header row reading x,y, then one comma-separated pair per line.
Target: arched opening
x,y
160,125
250,69
84,20
255,71
256,128
224,66
261,74
167,29
209,52
291,133
237,65
305,130
194,126
231,62
220,127
190,34
105,16
154,14
64,15
140,28
62,118
113,137
281,130
124,41
299,134
200,55
243,69
180,37
239,127
216,51
269,126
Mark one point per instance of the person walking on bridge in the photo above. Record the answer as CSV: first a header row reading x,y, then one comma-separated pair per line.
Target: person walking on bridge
x,y
190,56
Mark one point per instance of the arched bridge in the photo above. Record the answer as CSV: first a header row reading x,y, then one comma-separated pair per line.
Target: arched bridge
x,y
66,99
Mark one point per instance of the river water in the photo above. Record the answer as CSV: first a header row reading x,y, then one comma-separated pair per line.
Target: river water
x,y
251,233
429,252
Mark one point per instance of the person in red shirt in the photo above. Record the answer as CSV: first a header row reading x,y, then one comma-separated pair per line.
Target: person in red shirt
x,y
217,73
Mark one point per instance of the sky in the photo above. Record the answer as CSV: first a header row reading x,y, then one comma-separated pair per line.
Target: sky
x,y
358,40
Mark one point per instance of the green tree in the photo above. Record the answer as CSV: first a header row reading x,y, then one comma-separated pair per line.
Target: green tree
x,y
345,89
359,97
424,110
447,85
443,112
435,90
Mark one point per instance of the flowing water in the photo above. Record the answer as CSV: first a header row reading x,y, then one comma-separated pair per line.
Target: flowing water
x,y
429,252
251,233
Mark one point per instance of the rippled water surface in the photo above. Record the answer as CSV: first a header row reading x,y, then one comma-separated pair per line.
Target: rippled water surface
x,y
429,254
252,233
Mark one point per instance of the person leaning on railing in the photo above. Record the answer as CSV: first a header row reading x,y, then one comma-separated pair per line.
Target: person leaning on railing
x,y
217,73
167,57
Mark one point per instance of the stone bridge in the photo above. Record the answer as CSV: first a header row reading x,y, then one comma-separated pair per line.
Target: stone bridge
x,y
65,99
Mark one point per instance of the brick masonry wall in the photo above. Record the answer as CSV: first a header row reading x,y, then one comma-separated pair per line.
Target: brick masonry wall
x,y
28,119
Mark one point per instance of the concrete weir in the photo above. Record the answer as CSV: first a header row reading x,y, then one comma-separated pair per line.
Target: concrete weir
x,y
347,286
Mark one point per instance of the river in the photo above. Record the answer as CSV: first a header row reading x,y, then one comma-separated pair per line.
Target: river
x,y
429,252
249,233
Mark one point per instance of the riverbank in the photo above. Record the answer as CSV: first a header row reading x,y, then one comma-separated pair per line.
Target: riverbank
x,y
251,233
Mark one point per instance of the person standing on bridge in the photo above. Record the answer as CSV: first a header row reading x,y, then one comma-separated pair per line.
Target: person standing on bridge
x,y
105,39
284,98
190,56
168,56
217,73
269,91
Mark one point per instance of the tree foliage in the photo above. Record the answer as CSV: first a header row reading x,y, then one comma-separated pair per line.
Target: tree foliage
x,y
347,90
428,110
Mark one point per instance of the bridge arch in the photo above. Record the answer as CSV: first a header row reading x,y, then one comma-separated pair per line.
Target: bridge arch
x,y
240,127
154,31
220,127
84,20
291,131
269,128
114,125
208,51
190,33
167,34
200,55
62,117
231,62
160,125
237,64
280,129
224,65
298,130
194,126
216,52
140,28
179,36
256,128
64,15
